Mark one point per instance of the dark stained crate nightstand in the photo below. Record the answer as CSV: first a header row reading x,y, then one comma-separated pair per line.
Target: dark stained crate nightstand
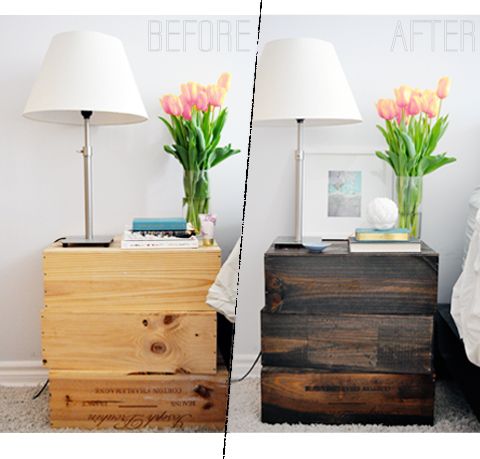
x,y
348,337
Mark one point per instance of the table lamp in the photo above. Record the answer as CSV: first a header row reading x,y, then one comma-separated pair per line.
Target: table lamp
x,y
86,79
300,81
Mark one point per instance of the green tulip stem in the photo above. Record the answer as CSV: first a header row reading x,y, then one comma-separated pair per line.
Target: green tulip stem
x,y
197,196
409,198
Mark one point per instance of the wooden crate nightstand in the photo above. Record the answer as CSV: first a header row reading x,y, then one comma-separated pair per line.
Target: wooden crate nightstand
x,y
348,337
129,340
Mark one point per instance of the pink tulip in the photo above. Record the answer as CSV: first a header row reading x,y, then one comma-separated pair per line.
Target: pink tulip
x,y
433,107
171,105
216,95
187,112
443,87
190,92
402,95
387,109
399,115
414,107
184,100
186,108
427,96
225,80
202,101
430,103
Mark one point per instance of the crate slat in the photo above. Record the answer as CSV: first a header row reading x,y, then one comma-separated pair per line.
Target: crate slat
x,y
115,400
175,342
348,342
337,281
114,279
309,396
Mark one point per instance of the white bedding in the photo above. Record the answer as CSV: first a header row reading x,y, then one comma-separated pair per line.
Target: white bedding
x,y
466,298
222,295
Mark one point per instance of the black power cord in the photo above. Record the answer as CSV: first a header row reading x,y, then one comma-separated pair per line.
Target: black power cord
x,y
249,371
40,392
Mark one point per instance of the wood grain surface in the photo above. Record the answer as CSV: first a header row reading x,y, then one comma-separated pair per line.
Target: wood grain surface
x,y
175,342
348,342
309,396
93,278
115,400
339,282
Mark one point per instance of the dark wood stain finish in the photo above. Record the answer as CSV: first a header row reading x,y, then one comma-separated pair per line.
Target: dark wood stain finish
x,y
347,338
308,396
348,342
337,281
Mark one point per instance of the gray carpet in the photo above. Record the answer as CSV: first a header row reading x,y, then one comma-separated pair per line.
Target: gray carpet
x,y
19,413
452,414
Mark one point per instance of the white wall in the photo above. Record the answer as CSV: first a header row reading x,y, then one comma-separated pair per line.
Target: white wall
x,y
41,175
364,48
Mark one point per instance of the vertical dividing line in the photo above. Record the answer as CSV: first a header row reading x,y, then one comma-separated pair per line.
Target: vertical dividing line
x,y
241,235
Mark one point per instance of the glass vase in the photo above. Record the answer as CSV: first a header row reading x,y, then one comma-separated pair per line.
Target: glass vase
x,y
408,194
196,199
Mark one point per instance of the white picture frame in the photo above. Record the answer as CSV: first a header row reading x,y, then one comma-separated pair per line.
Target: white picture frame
x,y
338,188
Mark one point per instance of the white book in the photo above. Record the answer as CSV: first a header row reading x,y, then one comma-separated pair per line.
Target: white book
x,y
178,243
385,247
129,235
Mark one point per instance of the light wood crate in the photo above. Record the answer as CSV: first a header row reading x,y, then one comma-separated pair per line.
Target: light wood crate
x,y
115,400
131,341
111,278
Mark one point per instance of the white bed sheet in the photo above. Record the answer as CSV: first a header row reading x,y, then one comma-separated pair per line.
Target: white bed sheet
x,y
465,307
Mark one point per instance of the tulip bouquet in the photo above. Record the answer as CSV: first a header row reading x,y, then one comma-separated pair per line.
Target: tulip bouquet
x,y
197,117
413,128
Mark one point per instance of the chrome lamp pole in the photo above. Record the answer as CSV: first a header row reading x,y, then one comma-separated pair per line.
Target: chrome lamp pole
x,y
89,239
297,239
299,168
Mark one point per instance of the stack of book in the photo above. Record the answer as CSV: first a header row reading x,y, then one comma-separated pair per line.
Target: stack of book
x,y
159,233
395,240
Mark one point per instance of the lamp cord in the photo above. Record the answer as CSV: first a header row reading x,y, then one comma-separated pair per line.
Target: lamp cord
x,y
233,380
249,371
40,392
45,385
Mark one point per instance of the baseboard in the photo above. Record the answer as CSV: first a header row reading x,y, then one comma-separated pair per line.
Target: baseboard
x,y
242,363
32,373
22,373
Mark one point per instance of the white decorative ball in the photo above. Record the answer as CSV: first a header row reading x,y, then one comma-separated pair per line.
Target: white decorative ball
x,y
382,213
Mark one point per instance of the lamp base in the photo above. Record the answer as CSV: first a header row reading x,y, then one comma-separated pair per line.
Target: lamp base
x,y
287,242
81,241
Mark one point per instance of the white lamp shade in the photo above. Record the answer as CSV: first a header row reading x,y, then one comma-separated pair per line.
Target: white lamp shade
x,y
302,78
85,71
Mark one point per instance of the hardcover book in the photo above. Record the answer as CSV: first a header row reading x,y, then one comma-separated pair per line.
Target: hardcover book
x,y
171,243
410,246
159,224
372,234
131,235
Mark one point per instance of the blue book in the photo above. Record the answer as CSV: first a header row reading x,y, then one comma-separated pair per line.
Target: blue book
x,y
159,224
372,234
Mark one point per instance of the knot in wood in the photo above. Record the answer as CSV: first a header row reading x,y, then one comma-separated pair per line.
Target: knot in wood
x,y
158,347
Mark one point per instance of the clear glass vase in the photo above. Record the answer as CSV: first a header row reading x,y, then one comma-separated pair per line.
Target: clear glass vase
x,y
196,199
408,195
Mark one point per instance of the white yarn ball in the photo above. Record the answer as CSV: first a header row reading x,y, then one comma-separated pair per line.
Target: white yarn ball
x,y
382,213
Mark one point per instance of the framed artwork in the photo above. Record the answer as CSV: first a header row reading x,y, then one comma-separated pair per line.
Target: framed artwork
x,y
338,189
